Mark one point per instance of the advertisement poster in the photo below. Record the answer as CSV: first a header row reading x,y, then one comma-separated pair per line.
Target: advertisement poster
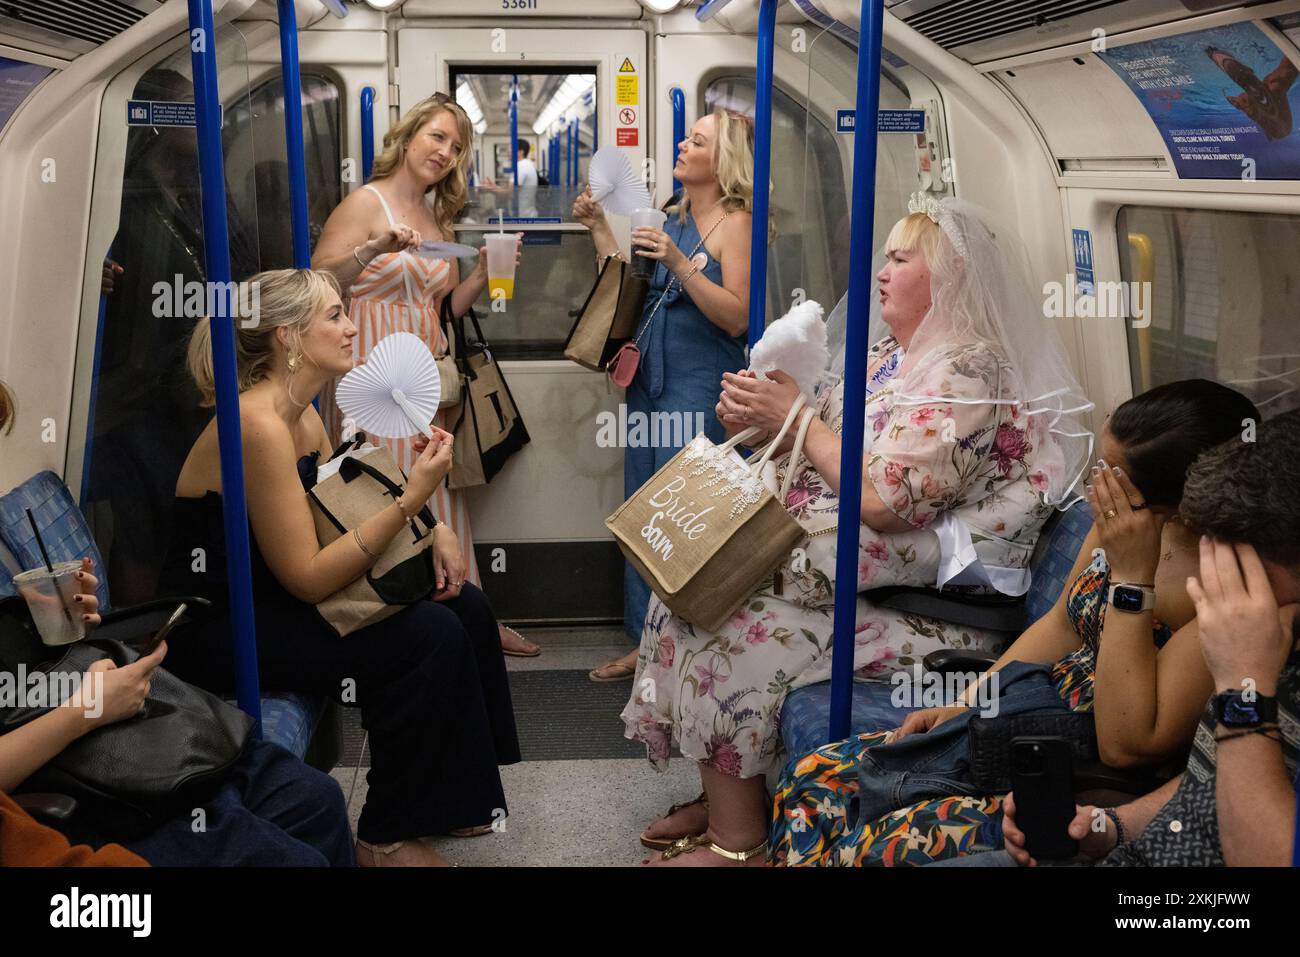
x,y
17,79
1225,100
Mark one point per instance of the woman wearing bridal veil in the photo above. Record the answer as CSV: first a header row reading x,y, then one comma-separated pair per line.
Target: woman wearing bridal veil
x,y
972,437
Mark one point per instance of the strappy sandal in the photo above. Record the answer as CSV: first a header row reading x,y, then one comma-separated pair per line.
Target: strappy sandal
x,y
663,843
519,654
613,671
688,845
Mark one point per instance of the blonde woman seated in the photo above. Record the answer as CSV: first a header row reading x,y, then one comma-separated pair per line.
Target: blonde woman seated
x,y
967,447
430,680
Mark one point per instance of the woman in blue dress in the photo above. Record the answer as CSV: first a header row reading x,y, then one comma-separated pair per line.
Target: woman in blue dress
x,y
696,313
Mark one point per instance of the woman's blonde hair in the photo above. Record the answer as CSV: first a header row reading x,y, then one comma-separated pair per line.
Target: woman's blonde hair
x,y
733,163
917,232
6,409
451,192
291,298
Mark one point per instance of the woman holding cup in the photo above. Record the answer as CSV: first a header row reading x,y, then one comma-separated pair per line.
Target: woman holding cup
x,y
692,328
370,243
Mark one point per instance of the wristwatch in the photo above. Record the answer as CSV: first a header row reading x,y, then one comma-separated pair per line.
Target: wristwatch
x,y
1234,711
1126,596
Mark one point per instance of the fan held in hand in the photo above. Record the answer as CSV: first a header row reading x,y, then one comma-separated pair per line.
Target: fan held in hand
x,y
395,394
614,183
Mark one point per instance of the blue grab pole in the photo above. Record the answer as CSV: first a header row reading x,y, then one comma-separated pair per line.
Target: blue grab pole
x,y
216,254
293,134
367,132
762,170
855,366
514,128
679,127
84,500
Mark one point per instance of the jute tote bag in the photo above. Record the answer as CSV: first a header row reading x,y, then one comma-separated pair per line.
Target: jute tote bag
x,y
403,573
609,316
707,527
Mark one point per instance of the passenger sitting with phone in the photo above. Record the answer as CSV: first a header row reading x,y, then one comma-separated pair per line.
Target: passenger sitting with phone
x,y
1235,804
1145,695
271,809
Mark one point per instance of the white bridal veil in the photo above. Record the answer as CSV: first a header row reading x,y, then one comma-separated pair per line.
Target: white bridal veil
x,y
981,291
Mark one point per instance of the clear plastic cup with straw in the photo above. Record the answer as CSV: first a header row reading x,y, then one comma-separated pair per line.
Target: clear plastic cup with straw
x,y
49,593
501,262
653,218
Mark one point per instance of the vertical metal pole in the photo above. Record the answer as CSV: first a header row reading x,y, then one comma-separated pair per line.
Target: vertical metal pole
x,y
367,132
855,366
84,500
569,179
293,134
595,127
216,253
679,128
514,128
762,170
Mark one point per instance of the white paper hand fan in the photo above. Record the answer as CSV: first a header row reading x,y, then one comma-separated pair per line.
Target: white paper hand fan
x,y
614,183
395,394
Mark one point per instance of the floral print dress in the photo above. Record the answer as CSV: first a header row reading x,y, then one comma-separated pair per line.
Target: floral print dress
x,y
718,695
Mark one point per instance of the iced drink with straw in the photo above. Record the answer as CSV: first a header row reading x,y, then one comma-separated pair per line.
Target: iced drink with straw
x,y
50,594
501,263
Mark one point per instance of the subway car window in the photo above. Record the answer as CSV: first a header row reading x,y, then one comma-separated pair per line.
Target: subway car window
x,y
1221,301
146,414
809,200
553,278
264,188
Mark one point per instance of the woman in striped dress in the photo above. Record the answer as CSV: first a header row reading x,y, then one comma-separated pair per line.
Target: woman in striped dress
x,y
418,188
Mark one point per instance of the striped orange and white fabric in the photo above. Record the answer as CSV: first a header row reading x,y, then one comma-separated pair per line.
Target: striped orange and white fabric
x,y
401,292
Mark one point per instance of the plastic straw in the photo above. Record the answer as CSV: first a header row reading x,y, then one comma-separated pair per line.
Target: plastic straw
x,y
45,555
40,542
501,223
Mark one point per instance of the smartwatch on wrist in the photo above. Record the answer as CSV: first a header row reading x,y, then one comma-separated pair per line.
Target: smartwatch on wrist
x,y
1131,598
1234,711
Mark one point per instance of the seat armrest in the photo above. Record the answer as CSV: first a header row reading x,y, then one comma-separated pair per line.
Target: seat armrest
x,y
1002,613
951,660
139,621
50,808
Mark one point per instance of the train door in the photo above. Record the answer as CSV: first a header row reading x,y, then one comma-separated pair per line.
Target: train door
x,y
543,550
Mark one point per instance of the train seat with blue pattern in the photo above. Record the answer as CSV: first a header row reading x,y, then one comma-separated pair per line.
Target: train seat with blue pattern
x,y
304,725
805,716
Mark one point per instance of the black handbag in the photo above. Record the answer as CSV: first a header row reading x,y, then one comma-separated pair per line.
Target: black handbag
x,y
129,776
990,743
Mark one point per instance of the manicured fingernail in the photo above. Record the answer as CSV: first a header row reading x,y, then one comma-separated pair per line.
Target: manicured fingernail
x,y
1117,471
1095,470
85,618
78,598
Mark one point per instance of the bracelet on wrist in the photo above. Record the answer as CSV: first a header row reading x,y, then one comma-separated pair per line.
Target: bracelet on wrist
x,y
356,534
1113,815
356,254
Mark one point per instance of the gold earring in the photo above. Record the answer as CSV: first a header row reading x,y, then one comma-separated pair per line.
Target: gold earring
x,y
294,360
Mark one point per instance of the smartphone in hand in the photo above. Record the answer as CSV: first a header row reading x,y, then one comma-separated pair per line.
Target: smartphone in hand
x,y
1042,779
162,632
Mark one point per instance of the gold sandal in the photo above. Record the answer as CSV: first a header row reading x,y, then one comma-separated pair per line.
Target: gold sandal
x,y
688,845
663,843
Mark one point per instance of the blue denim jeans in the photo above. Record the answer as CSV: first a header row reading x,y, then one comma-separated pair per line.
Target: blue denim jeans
x,y
937,764
272,811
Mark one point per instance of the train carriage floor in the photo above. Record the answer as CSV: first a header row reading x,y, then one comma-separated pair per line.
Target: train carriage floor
x,y
583,793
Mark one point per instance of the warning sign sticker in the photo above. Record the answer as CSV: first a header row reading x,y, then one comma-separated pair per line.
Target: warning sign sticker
x,y
625,91
627,116
627,66
628,137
